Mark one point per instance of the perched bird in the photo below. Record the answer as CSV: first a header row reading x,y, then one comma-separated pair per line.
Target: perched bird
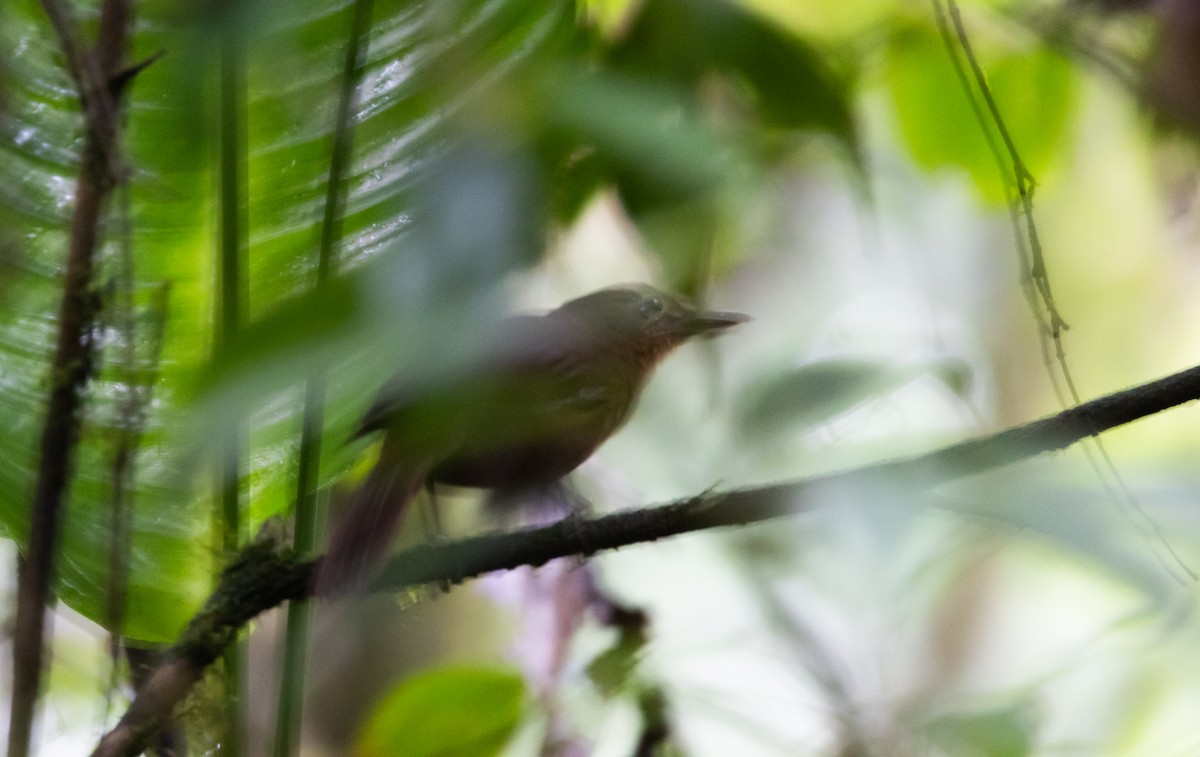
x,y
538,402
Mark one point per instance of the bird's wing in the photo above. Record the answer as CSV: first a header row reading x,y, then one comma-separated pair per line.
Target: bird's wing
x,y
530,355
549,362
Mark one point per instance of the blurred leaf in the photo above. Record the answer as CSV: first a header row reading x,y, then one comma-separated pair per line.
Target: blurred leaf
x,y
1119,536
659,147
685,237
955,374
446,712
774,84
612,670
819,391
683,39
574,179
287,337
1036,94
670,164
794,87
493,186
935,118
1033,88
828,19
1008,732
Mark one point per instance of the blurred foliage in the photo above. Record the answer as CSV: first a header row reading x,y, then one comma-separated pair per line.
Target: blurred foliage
x,y
999,733
612,670
487,133
462,711
514,117
817,392
1032,85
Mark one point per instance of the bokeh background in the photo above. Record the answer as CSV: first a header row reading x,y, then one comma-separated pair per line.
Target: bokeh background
x,y
832,168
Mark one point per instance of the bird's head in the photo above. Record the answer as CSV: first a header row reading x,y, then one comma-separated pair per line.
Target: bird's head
x,y
645,319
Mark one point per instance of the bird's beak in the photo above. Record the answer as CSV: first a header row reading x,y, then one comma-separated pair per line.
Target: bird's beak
x,y
713,322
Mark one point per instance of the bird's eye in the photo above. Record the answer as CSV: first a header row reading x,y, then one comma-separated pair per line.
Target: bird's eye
x,y
650,307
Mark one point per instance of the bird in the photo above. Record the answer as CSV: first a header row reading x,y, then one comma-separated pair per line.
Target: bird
x,y
536,403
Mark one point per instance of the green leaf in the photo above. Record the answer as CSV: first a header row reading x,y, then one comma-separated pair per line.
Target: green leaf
x,y
1036,92
643,131
821,390
612,670
683,39
1007,732
955,374
448,712
1033,89
834,20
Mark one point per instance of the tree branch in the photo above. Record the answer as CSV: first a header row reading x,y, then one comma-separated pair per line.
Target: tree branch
x,y
264,575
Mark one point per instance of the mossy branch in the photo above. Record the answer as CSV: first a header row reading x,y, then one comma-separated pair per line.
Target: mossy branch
x,y
265,575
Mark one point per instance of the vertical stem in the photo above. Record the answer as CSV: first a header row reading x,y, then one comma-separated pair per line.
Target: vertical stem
x,y
343,137
70,373
139,386
291,697
228,314
127,422
72,364
231,180
295,647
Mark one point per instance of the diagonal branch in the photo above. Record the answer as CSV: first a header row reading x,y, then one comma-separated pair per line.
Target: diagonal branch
x,y
264,576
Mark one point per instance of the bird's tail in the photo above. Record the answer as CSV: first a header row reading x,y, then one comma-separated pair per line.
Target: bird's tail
x,y
365,530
